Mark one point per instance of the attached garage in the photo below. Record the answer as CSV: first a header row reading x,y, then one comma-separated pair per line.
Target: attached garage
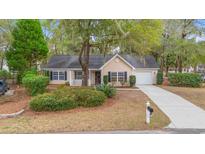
x,y
143,78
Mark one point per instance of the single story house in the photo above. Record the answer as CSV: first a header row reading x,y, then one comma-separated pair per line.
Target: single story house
x,y
65,68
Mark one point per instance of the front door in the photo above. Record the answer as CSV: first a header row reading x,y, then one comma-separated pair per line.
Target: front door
x,y
97,77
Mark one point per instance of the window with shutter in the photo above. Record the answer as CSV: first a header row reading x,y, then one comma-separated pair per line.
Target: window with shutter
x,y
121,77
118,76
61,75
78,75
113,76
55,76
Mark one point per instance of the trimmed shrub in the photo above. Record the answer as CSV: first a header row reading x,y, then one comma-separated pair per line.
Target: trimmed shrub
x,y
105,79
49,102
108,90
89,98
67,98
159,77
185,79
132,80
64,91
35,84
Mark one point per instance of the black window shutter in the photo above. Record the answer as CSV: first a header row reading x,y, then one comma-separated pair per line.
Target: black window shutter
x,y
65,75
51,75
125,76
109,76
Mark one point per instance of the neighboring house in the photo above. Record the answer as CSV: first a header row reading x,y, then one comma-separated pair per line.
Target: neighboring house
x,y
64,68
200,68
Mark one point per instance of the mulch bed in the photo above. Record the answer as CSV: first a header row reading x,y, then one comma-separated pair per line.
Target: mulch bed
x,y
14,103
20,100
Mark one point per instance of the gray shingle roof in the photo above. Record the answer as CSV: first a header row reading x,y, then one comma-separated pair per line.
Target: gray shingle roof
x,y
96,61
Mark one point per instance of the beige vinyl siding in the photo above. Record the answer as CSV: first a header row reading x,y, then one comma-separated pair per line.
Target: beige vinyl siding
x,y
92,77
117,65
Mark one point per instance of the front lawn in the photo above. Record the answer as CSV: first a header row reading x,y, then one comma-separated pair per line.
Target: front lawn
x,y
126,111
194,95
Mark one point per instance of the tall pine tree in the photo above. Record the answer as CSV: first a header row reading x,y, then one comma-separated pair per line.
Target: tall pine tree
x,y
28,46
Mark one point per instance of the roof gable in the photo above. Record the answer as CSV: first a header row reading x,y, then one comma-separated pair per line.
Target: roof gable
x,y
115,56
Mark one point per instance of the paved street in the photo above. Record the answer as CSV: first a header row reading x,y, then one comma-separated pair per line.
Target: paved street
x,y
164,131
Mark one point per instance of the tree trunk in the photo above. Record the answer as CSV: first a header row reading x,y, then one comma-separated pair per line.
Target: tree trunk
x,y
84,62
162,64
166,71
184,34
176,65
180,64
85,76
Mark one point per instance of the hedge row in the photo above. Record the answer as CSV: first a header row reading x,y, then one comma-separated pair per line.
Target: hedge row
x,y
185,79
67,98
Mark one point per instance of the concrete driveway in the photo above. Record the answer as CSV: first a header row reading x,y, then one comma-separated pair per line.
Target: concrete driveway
x,y
182,113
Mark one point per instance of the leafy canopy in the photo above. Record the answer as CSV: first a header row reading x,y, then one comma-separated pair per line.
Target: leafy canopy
x,y
28,45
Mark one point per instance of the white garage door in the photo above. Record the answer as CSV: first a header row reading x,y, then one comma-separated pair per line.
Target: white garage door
x,y
144,78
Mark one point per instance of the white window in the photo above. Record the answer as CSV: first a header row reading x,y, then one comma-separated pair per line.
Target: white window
x,y
61,75
58,76
55,76
121,76
113,76
118,76
78,75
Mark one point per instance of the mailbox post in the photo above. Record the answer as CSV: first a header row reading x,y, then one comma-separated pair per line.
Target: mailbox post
x,y
149,112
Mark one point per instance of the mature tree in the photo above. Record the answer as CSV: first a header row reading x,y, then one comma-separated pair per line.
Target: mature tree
x,y
56,37
88,34
186,28
140,36
137,36
197,55
178,44
28,46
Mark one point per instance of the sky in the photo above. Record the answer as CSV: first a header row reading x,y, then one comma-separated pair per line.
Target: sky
x,y
201,24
